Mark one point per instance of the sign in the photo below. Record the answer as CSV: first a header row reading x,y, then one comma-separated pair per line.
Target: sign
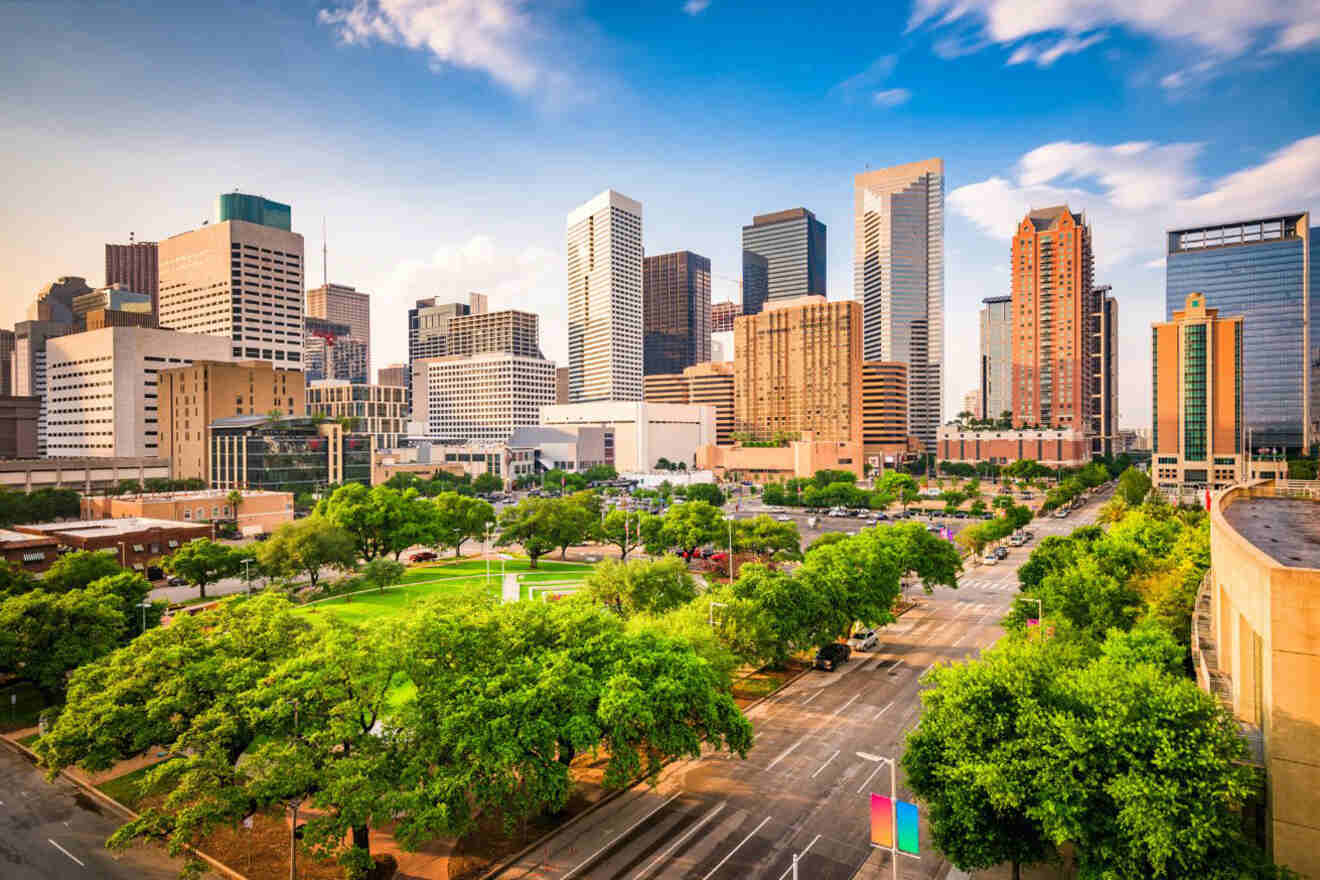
x,y
907,827
883,815
882,822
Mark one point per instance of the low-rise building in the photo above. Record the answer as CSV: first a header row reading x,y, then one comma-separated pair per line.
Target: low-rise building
x,y
82,474
634,435
1052,447
377,411
32,553
135,542
794,459
258,512
293,454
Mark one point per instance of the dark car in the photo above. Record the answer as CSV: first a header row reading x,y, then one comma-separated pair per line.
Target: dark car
x,y
1001,552
423,556
155,572
177,581
832,655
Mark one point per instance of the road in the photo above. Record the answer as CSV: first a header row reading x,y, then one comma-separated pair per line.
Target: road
x,y
805,786
52,831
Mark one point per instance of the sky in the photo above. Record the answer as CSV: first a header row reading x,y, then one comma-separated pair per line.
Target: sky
x,y
443,142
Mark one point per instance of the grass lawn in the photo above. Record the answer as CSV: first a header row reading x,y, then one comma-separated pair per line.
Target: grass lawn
x,y
127,789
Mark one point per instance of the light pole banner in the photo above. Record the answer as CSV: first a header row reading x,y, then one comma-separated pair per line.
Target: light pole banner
x,y
907,827
882,822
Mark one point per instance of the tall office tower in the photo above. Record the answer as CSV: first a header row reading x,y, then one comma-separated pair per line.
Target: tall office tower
x,y
799,370
1265,270
709,384
428,324
898,276
394,374
1054,349
996,392
240,277
6,363
605,299
1104,372
134,265
54,302
722,315
509,330
675,312
884,411
783,258
28,366
331,352
343,305
1197,398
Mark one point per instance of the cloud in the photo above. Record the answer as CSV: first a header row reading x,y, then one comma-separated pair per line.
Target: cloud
x,y
1045,55
890,97
1187,76
864,84
695,7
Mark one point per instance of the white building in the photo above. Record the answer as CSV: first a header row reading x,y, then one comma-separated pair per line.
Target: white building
x,y
482,397
636,435
101,398
605,299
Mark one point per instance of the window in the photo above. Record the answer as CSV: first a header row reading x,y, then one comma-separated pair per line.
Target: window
x,y
34,556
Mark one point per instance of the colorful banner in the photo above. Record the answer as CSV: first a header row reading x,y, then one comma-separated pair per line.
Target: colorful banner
x,y
882,822
907,827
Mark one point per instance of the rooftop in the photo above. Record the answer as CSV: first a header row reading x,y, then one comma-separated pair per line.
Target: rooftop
x,y
195,495
102,528
1285,529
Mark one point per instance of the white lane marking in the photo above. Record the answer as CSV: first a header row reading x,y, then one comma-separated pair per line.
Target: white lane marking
x,y
66,852
784,754
845,705
878,768
812,697
803,853
960,638
591,858
897,664
736,848
882,711
660,858
826,764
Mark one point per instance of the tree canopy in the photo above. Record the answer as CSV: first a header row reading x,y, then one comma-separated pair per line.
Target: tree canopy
x,y
202,561
304,547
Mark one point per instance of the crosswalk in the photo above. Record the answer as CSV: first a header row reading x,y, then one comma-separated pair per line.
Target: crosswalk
x,y
989,586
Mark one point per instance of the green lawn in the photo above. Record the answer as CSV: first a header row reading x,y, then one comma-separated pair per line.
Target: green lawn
x,y
127,789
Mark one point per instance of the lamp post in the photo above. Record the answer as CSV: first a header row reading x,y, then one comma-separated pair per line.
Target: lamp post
x,y
247,578
485,551
710,612
730,521
144,605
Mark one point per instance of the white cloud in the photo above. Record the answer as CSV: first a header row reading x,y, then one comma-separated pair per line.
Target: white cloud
x,y
1045,55
695,7
875,73
890,97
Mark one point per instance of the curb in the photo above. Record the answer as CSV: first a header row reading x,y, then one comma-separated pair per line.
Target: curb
x,y
94,792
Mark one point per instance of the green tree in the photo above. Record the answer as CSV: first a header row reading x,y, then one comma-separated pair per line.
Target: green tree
x,y
202,561
624,529
380,519
933,559
304,547
461,519
789,617
45,635
859,577
381,573
15,581
1133,487
484,484
640,586
600,473
708,492
532,524
823,478
73,571
685,527
767,539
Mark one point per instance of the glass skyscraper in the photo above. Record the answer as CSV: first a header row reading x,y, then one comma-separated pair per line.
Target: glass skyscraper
x,y
1263,269
783,257
675,312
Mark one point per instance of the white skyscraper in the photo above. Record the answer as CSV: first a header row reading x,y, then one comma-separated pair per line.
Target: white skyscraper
x,y
898,274
605,299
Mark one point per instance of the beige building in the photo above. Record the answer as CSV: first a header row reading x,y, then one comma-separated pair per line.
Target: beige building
x,y
885,437
378,410
483,397
709,384
192,397
1254,645
394,374
84,474
259,511
797,459
509,331
344,305
561,384
1051,447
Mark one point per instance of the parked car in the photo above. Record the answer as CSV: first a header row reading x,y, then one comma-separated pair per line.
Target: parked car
x,y
423,556
177,581
880,514
783,517
718,557
990,558
863,640
1017,540
1001,552
155,572
1061,513
833,655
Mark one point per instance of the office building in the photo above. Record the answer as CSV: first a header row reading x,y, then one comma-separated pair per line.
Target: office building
x,y
239,279
193,396
134,265
898,276
54,302
604,237
1197,399
675,312
18,426
331,352
114,298
259,512
394,374
102,390
291,454
1104,372
1053,301
87,475
783,258
379,411
133,542
344,305
6,362
722,315
633,436
428,324
707,384
996,392
799,371
1265,270
98,319
1051,447
482,332
561,384
885,438
28,366
971,404
482,397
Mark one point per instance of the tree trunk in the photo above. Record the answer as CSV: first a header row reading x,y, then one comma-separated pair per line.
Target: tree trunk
x,y
531,559
362,839
566,753
1017,870
202,588
563,552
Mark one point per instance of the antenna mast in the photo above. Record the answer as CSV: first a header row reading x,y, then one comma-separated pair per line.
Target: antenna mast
x,y
325,282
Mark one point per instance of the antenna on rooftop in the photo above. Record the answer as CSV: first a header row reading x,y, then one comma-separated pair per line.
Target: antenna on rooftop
x,y
325,281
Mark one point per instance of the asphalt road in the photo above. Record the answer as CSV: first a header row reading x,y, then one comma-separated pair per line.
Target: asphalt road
x,y
819,754
52,831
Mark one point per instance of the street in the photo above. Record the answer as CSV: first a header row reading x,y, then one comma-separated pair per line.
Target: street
x,y
819,754
53,831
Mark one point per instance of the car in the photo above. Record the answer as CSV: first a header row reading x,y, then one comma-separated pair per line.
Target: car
x,y
990,558
177,581
718,557
872,521
423,556
932,528
831,656
835,511
880,515
1017,540
863,640
155,572
783,517
1001,552
1060,513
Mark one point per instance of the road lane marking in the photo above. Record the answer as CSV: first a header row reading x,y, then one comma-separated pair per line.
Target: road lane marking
x,y
893,670
664,855
878,768
66,852
812,697
960,638
784,754
845,705
826,764
736,848
597,853
789,869
882,711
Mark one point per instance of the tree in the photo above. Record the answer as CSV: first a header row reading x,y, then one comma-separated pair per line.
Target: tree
x,y
859,577
381,519
202,561
76,570
381,573
767,539
790,617
576,520
685,527
531,524
235,499
1133,487
930,557
461,518
708,492
600,473
45,635
15,581
484,484
641,587
304,547
624,529
823,478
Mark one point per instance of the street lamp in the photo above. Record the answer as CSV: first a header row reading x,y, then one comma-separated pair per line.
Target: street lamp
x,y
247,579
144,605
710,612
730,521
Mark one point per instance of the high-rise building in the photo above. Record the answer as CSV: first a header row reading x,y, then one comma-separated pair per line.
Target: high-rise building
x,y
996,392
394,374
972,403
604,238
379,411
195,395
509,330
898,276
799,370
428,324
134,265
561,384
675,312
343,305
709,384
783,258
113,298
1265,270
1054,350
1197,398
240,278
6,363
1104,372
54,302
331,352
484,396
722,315
884,411
28,366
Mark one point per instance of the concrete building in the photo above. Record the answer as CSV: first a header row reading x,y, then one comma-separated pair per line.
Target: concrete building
x,y
708,384
99,319
293,454
414,459
238,279
86,475
394,374
635,435
721,346
996,391
1199,434
428,324
28,366
604,238
509,331
783,258
102,393
135,265
136,542
379,411
971,403
342,304
898,276
1104,372
114,297
259,512
885,438
1266,270
18,426
561,384
192,397
6,362
799,370
1254,647
675,312
54,302
1052,447
722,315
796,459
484,396
331,352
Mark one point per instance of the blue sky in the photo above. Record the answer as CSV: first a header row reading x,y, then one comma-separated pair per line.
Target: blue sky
x,y
444,142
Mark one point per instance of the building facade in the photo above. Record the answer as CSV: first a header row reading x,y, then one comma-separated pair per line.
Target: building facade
x,y
136,266
18,426
379,411
1265,270
293,454
258,512
1052,447
675,312
783,258
510,331
561,384
605,299
428,326
996,390
1197,401
1104,372
87,475
971,403
6,362
633,436
331,352
28,366
394,374
192,397
708,384
133,542
885,436
722,315
484,397
898,276
116,298
54,302
342,304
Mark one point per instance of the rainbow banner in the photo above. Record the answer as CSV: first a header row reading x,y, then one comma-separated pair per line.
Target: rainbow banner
x,y
883,811
882,822
907,827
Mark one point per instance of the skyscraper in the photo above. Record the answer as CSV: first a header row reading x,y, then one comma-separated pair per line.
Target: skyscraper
x,y
428,324
783,258
134,265
722,315
331,352
1054,297
343,305
898,276
996,356
605,299
1265,270
675,312
240,277
1104,372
